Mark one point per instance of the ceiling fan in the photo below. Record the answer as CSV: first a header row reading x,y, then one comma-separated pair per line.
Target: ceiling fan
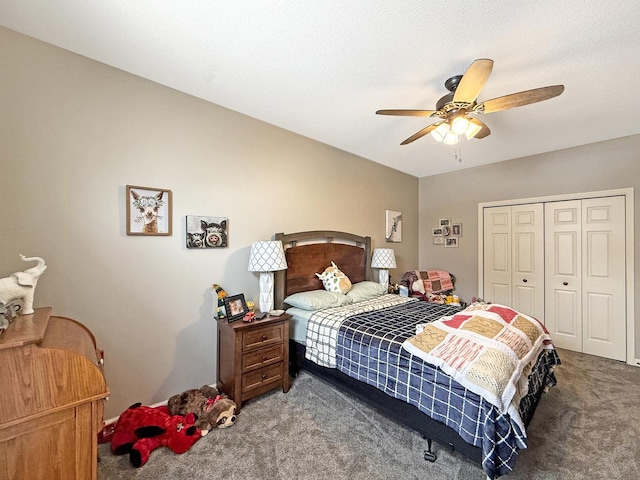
x,y
456,109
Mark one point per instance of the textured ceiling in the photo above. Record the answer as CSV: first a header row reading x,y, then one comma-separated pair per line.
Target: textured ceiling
x,y
321,68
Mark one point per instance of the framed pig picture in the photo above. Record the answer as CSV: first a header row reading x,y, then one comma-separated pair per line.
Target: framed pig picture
x,y
207,232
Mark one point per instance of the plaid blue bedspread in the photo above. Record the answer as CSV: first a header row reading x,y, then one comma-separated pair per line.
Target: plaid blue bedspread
x,y
368,348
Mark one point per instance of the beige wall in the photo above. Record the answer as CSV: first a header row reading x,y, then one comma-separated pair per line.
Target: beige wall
x,y
599,166
74,133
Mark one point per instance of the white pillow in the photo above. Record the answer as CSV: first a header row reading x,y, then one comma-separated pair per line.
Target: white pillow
x,y
365,290
317,300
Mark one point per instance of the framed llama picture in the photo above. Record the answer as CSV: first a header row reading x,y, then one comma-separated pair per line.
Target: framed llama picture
x,y
393,228
206,232
148,211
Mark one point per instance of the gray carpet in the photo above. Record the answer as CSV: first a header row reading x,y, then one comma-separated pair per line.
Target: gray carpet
x,y
588,426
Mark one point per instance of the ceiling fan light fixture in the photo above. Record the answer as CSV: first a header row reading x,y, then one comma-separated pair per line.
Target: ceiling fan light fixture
x,y
441,131
474,126
459,125
450,138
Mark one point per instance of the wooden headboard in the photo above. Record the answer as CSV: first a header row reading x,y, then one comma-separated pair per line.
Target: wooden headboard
x,y
311,252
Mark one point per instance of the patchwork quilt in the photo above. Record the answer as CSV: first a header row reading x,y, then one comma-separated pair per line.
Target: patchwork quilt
x,y
489,349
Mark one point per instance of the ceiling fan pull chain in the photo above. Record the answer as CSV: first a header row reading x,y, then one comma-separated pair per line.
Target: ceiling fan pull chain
x,y
458,152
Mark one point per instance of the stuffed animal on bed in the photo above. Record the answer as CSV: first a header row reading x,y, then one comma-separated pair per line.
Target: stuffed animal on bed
x,y
211,408
334,280
141,429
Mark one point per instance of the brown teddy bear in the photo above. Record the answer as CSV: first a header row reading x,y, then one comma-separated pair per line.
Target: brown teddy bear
x,y
212,409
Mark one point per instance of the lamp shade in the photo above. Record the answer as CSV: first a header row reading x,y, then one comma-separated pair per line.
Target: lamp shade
x,y
383,258
267,256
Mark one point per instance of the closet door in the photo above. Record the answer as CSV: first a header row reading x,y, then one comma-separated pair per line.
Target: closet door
x,y
497,255
563,283
527,276
603,277
514,257
585,275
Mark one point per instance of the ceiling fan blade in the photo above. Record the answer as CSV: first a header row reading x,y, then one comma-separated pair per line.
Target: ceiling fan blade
x,y
473,80
421,133
522,98
407,113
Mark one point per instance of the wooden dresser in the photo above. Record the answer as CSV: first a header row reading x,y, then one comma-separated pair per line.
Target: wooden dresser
x,y
52,393
253,357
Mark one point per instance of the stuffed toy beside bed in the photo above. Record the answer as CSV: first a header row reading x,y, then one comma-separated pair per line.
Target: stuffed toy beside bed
x,y
141,429
211,408
334,280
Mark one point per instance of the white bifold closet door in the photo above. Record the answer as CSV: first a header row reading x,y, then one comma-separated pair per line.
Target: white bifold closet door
x,y
585,275
514,257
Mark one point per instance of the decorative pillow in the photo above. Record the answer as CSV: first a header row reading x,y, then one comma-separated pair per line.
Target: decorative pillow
x,y
317,300
364,290
334,280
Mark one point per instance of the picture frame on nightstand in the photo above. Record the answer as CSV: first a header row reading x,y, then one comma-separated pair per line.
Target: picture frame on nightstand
x,y
235,307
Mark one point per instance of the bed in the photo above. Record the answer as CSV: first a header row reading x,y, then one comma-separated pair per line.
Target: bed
x,y
359,349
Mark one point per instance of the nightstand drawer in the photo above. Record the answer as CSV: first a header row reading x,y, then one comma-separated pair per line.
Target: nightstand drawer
x,y
258,378
262,337
262,358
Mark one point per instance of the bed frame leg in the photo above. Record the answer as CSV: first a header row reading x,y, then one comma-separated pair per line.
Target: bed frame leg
x,y
429,455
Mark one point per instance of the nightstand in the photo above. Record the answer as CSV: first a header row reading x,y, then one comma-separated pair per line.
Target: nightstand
x,y
253,357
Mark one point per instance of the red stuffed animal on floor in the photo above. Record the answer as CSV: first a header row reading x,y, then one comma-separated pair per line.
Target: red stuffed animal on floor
x,y
140,430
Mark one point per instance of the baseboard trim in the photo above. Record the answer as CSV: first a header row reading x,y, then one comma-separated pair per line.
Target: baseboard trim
x,y
115,419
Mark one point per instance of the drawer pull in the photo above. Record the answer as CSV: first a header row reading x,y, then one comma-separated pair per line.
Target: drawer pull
x,y
264,359
264,337
264,376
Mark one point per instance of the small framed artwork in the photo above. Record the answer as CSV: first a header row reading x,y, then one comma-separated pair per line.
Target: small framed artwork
x,y
393,228
206,232
148,211
451,242
235,307
446,231
438,240
436,232
444,222
456,230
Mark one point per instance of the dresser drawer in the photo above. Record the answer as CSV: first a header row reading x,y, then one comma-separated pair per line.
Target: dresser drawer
x,y
263,376
262,358
262,337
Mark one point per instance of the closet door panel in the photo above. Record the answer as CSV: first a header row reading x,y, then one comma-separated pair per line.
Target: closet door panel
x,y
497,255
563,285
528,259
603,240
567,322
500,293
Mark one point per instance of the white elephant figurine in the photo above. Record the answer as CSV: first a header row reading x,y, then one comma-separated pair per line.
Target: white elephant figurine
x,y
22,285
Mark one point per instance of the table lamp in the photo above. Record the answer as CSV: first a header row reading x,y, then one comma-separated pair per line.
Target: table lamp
x,y
266,257
383,258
